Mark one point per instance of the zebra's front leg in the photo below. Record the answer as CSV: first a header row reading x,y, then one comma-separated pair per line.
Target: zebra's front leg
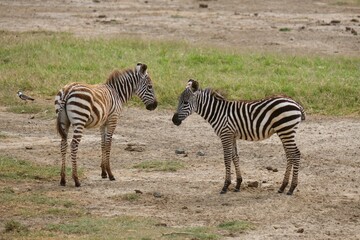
x,y
228,148
235,159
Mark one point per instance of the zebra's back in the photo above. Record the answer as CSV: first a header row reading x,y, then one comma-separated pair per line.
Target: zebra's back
x,y
258,120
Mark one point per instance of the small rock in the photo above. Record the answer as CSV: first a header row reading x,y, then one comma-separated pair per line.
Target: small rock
x,y
161,225
275,170
184,207
102,16
157,195
335,22
269,168
354,20
203,5
180,151
200,153
354,32
253,184
28,148
300,230
134,148
138,191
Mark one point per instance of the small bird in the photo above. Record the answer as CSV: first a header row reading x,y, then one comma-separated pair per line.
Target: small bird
x,y
24,97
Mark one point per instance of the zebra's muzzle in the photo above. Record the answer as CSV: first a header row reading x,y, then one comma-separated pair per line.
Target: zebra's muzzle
x,y
176,119
151,106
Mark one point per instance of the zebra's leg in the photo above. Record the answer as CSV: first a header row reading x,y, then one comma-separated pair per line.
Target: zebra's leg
x,y
227,144
235,158
106,147
103,168
78,130
293,159
295,153
63,149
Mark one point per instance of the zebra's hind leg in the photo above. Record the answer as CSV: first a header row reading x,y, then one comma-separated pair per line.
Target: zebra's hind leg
x,y
103,168
286,176
296,165
74,149
107,132
235,158
293,160
63,149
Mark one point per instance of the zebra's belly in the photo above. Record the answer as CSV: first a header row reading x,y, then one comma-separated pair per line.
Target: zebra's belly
x,y
254,137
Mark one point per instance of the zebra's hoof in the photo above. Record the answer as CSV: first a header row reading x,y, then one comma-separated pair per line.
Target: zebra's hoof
x,y
62,183
77,184
223,192
289,193
104,175
112,178
280,191
237,190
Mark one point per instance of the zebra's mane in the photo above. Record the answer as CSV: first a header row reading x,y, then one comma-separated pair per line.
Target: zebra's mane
x,y
116,75
219,96
214,93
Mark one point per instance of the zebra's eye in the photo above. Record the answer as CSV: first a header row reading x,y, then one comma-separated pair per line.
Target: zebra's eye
x,y
186,102
150,87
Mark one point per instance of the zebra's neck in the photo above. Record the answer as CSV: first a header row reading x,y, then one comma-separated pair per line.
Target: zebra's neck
x,y
210,105
124,84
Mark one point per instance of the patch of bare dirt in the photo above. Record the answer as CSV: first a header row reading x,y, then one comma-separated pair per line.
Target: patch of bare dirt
x,y
299,27
326,204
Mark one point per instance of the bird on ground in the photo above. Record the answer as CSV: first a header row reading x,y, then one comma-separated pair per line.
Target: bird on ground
x,y
24,97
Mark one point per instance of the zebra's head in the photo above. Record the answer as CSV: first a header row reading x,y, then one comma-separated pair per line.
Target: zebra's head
x,y
187,102
145,90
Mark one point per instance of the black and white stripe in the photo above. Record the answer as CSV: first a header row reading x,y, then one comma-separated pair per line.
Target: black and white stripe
x,y
88,106
247,120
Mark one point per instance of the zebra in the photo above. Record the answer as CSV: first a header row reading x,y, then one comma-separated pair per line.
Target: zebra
x,y
246,120
98,106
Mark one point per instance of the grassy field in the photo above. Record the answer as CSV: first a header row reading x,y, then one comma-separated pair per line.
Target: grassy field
x,y
40,63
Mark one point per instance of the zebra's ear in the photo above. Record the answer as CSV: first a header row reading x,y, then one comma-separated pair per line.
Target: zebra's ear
x,y
193,85
140,67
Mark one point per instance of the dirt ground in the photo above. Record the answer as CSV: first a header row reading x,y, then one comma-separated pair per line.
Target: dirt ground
x,y
326,204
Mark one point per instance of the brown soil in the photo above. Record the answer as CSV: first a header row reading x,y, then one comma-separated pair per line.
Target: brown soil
x,y
326,204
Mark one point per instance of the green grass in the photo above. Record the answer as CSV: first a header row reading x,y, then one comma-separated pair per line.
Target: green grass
x,y
165,166
11,168
236,226
40,63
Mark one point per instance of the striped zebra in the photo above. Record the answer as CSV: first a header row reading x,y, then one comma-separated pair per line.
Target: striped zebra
x,y
89,106
247,120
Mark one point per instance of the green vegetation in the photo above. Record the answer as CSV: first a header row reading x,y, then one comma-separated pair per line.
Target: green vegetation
x,y
236,226
11,168
165,166
40,63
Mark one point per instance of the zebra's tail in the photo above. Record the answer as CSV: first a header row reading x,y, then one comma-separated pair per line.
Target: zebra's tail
x,y
62,120
303,115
